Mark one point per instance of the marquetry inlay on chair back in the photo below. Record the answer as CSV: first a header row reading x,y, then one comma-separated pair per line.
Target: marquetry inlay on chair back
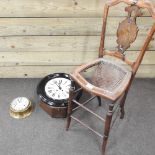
x,y
128,30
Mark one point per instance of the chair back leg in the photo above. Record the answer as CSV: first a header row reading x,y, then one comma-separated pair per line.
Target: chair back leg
x,y
122,102
99,100
79,95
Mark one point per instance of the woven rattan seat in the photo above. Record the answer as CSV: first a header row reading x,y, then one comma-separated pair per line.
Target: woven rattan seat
x,y
107,76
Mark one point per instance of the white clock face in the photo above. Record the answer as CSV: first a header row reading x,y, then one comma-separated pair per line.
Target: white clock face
x,y
20,103
58,88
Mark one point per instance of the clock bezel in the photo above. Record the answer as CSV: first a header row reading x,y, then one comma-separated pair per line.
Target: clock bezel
x,y
44,97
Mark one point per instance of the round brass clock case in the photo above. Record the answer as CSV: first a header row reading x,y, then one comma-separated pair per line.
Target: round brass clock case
x,y
23,110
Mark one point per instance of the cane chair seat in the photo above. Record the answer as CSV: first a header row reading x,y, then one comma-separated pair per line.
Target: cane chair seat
x,y
103,77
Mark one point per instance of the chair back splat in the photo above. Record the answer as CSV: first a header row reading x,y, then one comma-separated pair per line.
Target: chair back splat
x,y
127,30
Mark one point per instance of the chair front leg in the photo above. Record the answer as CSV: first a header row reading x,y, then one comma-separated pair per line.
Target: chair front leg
x,y
122,103
107,128
70,106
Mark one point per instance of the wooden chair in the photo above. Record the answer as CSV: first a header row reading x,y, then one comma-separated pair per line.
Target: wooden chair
x,y
110,80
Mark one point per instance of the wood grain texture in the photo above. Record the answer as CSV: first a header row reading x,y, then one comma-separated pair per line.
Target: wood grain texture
x,y
63,43
65,26
60,33
41,71
60,58
56,8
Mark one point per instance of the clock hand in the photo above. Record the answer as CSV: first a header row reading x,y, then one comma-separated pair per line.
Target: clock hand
x,y
60,82
58,86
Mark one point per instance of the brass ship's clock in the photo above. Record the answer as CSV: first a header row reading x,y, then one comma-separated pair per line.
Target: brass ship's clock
x,y
20,107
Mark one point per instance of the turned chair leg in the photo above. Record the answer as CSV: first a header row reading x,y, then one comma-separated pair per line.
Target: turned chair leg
x,y
99,100
69,108
122,103
107,128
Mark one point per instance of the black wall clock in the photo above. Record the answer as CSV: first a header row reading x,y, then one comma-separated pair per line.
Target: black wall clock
x,y
53,91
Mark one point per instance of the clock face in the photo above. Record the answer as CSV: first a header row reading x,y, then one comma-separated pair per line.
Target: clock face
x,y
58,88
20,103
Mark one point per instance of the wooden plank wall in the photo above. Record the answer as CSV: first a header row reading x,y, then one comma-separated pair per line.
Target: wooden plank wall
x,y
38,37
